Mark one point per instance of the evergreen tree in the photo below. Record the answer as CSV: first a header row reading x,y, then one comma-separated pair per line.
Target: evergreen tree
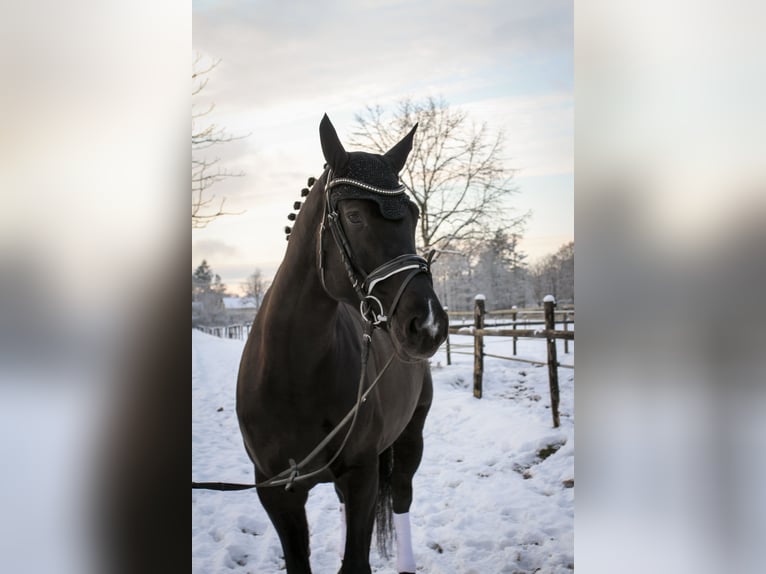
x,y
207,296
201,278
500,271
218,287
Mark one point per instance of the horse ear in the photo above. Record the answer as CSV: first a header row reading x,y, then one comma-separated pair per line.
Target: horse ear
x,y
333,151
397,155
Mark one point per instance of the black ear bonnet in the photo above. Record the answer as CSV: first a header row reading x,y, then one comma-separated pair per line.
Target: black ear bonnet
x,y
375,171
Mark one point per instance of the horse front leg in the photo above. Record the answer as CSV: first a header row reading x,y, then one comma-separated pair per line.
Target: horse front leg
x,y
359,488
408,452
287,511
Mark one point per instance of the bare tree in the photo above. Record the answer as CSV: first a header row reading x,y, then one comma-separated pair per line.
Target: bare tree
x,y
455,172
554,275
205,170
255,287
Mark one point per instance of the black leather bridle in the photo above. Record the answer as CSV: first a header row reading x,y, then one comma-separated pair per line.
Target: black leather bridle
x,y
362,282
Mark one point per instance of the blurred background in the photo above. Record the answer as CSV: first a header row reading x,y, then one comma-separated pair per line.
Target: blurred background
x,y
670,221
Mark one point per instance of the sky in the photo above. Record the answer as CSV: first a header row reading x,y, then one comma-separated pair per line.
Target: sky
x,y
283,65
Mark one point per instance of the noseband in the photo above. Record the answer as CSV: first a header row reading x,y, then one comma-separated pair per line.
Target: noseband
x,y
362,282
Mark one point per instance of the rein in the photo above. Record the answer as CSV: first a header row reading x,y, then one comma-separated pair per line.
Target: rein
x,y
290,476
372,319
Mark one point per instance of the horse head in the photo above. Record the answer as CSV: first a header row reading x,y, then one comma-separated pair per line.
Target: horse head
x,y
367,245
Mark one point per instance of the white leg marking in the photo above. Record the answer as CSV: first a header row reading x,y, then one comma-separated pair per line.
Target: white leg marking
x,y
405,561
431,325
342,547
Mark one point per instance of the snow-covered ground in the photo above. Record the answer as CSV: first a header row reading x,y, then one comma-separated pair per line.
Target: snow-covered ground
x,y
491,495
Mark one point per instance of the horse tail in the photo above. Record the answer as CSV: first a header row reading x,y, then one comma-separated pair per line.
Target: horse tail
x,y
384,508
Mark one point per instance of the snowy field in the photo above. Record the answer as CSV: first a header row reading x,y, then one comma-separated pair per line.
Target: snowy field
x,y
494,493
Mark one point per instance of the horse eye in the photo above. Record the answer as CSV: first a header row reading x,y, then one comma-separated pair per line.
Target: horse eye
x,y
354,217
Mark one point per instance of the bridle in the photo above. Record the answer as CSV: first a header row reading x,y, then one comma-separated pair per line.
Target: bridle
x,y
362,282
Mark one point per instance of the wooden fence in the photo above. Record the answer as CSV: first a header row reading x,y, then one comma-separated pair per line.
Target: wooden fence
x,y
482,325
486,325
228,331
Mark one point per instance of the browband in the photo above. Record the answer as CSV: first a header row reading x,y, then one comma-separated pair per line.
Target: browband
x,y
360,184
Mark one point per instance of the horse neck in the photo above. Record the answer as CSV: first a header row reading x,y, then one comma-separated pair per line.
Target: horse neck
x,y
298,299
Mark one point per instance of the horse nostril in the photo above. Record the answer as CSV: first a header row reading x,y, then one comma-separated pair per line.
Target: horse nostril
x,y
414,326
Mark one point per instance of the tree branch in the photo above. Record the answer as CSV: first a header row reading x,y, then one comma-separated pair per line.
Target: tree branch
x,y
203,138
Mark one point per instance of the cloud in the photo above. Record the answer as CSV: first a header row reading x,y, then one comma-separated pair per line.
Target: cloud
x,y
210,248
539,131
331,52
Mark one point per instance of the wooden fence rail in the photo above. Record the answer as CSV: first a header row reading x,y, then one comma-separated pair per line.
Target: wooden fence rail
x,y
240,331
516,318
524,333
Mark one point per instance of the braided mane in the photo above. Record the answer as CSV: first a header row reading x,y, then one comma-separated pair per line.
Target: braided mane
x,y
297,205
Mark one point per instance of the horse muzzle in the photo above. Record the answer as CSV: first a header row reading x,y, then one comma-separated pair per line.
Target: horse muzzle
x,y
420,327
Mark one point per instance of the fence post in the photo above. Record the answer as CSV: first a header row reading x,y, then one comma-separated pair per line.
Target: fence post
x,y
566,328
478,346
513,315
553,375
449,355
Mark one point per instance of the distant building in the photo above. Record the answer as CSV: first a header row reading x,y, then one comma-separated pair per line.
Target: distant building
x,y
240,309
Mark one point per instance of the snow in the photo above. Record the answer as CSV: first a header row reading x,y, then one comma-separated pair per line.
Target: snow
x,y
549,299
493,494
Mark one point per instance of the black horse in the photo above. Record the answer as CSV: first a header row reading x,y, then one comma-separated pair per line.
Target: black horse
x,y
350,297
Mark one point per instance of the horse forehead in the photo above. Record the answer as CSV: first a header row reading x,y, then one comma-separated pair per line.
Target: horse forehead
x,y
372,169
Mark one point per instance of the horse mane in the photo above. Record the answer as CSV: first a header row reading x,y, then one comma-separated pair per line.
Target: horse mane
x,y
297,206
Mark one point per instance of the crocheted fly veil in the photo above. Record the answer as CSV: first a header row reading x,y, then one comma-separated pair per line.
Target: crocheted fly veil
x,y
382,184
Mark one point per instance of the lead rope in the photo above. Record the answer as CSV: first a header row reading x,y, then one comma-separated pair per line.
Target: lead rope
x,y
290,476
